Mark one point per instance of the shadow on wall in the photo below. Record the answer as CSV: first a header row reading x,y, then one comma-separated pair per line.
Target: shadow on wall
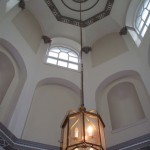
x,y
14,85
124,105
7,73
53,97
29,28
119,98
102,51
149,56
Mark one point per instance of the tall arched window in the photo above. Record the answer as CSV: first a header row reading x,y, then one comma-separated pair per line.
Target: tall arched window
x,y
64,57
142,19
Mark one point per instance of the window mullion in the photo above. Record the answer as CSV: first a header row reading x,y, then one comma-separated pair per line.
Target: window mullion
x,y
147,18
142,28
62,60
144,25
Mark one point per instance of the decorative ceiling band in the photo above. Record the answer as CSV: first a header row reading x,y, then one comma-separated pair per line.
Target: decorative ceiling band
x,y
76,22
78,1
81,10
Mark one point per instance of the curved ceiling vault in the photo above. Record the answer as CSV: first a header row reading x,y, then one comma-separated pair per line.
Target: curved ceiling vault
x,y
68,11
60,18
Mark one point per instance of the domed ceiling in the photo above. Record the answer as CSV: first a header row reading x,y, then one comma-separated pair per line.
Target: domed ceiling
x,y
61,18
67,11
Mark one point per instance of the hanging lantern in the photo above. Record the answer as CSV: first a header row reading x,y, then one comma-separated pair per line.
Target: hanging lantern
x,y
83,130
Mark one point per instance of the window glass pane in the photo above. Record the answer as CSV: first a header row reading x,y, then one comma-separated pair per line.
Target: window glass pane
x,y
55,49
141,25
73,59
73,66
62,63
148,21
140,11
143,18
144,15
73,54
144,31
52,54
63,56
51,61
138,21
148,6
63,49
146,3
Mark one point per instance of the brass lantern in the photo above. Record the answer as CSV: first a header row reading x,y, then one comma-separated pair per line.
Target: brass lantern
x,y
83,130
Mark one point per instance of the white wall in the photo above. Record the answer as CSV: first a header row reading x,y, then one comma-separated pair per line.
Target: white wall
x,y
149,56
22,54
6,74
2,9
129,128
107,48
36,70
134,58
26,24
124,105
50,104
130,60
7,106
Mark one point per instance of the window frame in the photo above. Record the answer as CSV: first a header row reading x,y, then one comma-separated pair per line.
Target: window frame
x,y
137,15
64,60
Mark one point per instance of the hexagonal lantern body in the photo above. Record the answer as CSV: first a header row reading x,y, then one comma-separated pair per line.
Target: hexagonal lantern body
x,y
83,130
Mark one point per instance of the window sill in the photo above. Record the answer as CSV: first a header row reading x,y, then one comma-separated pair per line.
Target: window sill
x,y
61,67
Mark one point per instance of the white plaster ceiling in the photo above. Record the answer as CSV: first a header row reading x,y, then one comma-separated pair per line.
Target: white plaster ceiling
x,y
54,28
99,7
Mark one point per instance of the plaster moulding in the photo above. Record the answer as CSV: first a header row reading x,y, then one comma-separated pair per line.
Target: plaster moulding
x,y
76,22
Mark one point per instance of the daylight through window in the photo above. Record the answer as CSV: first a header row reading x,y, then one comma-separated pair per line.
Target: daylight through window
x,y
64,57
142,20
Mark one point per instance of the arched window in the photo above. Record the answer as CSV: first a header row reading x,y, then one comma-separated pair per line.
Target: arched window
x,y
64,57
142,19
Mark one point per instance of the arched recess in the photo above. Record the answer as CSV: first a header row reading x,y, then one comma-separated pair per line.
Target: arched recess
x,y
124,105
103,52
120,95
53,98
29,28
7,73
13,91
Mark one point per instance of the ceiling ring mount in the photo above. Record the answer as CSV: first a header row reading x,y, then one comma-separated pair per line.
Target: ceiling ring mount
x,y
78,1
77,10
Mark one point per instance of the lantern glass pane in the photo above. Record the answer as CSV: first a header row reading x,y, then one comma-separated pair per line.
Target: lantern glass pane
x,y
83,131
75,129
92,129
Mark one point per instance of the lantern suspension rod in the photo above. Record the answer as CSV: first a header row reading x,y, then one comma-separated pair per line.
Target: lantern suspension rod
x,y
81,42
